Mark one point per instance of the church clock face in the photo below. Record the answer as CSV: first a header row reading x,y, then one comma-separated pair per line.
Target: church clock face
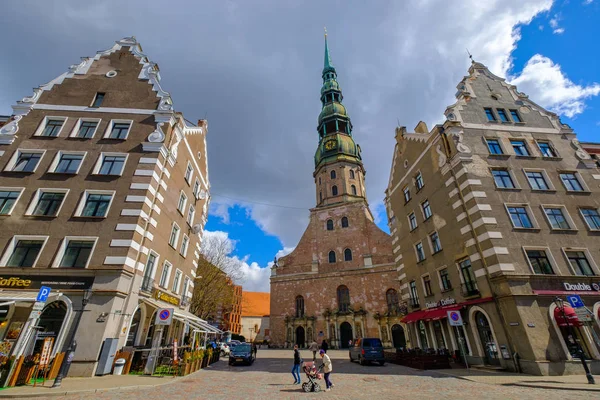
x,y
330,144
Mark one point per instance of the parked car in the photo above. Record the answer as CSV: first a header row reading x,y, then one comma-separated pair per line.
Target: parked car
x,y
366,350
225,349
241,354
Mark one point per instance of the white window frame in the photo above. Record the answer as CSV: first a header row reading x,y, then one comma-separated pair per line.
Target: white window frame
x,y
500,143
174,245
565,212
168,266
156,263
13,160
189,168
186,285
439,278
183,251
593,264
197,192
83,200
44,122
36,198
589,228
100,160
56,160
404,189
551,187
118,121
12,189
512,175
431,242
425,218
187,218
425,294
551,258
417,253
410,227
173,288
63,247
586,188
417,188
183,207
529,214
539,150
11,247
75,130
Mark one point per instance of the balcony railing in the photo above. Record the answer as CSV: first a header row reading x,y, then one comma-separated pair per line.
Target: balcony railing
x,y
469,289
414,303
147,284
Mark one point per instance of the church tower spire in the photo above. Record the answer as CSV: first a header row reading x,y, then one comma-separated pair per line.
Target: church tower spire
x,y
339,173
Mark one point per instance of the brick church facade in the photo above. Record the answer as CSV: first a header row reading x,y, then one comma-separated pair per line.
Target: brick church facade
x,y
340,283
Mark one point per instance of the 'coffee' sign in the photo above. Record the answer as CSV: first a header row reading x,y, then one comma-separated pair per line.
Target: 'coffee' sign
x,y
582,286
443,302
166,297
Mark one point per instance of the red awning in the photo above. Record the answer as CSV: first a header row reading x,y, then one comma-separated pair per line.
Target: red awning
x,y
414,316
442,312
569,313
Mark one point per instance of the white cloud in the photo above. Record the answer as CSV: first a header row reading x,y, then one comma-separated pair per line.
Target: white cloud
x,y
559,31
554,24
587,2
220,210
548,86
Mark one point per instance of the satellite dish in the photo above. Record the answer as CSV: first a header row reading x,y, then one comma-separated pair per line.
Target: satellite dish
x,y
196,228
202,195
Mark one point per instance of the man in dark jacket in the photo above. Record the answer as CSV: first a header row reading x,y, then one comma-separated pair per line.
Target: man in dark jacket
x,y
324,346
296,367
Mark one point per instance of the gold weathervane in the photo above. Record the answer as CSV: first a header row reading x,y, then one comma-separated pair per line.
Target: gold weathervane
x,y
325,28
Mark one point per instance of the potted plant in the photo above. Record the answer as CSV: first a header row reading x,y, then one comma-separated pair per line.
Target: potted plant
x,y
187,362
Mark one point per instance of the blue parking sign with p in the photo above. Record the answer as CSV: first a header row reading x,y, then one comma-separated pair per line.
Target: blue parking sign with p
x,y
43,294
575,301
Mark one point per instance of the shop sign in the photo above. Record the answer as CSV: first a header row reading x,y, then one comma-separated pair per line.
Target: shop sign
x,y
37,281
582,286
175,350
46,349
583,314
166,297
443,302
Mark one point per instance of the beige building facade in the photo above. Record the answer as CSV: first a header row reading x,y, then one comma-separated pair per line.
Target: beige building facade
x,y
103,186
494,214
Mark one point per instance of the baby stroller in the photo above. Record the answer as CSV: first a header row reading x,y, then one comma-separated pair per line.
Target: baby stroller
x,y
313,374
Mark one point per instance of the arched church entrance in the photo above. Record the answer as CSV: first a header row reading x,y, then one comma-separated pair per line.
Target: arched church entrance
x,y
345,334
300,338
398,337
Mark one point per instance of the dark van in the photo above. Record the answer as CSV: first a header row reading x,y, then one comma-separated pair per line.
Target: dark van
x,y
366,350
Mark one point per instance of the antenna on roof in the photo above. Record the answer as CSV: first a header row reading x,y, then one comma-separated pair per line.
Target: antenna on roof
x,y
470,56
398,119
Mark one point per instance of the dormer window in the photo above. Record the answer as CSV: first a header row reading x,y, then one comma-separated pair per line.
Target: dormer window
x,y
98,100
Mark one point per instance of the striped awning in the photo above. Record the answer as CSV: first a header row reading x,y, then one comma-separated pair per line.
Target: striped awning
x,y
8,295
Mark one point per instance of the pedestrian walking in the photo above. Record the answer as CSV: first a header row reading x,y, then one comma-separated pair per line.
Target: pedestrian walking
x,y
327,368
349,343
314,347
254,349
324,346
296,367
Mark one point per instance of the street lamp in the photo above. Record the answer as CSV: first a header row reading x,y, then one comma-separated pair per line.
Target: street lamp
x,y
560,304
66,362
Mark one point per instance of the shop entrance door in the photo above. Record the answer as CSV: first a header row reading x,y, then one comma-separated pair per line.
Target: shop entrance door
x,y
490,348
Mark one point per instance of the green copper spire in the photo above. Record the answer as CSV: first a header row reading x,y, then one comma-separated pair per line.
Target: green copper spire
x,y
327,65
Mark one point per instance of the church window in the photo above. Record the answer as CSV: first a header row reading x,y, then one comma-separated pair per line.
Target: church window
x,y
320,197
319,180
351,174
332,174
344,222
329,225
334,191
392,301
353,188
332,256
347,255
299,306
343,295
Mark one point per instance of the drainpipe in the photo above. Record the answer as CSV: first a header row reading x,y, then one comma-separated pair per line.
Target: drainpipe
x,y
480,251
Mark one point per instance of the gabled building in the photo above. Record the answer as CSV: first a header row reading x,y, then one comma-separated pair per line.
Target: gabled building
x,y
255,316
103,187
496,214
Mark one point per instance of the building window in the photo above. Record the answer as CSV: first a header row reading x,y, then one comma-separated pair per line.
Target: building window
x,y
77,253
190,215
184,245
299,306
489,113
427,286
48,203
96,204
494,146
419,181
468,277
8,199
347,255
343,295
579,263
176,281
520,147
67,163
334,190
572,184
332,257
353,188
351,174
502,115
412,219
420,252
197,188
556,218
25,253
539,261
149,270
188,173
344,222
414,296
392,301
503,179
111,164
520,217
406,192
426,209
332,174
182,202
25,161
329,225
119,129
164,276
436,245
174,235
86,129
186,286
537,180
320,197
445,279
515,116
546,149
98,100
590,215
52,127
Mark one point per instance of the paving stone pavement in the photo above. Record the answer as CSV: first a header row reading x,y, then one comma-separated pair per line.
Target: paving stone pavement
x,y
270,378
